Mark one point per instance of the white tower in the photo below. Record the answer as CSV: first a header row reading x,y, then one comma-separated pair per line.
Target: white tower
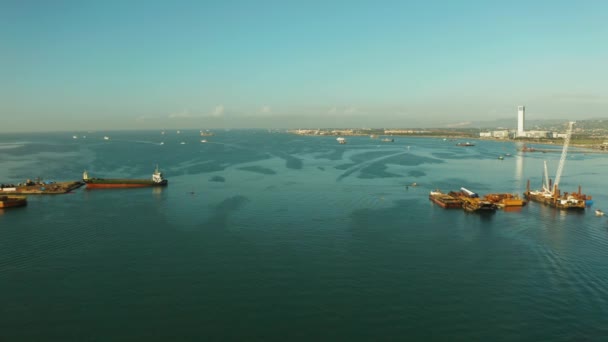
x,y
521,112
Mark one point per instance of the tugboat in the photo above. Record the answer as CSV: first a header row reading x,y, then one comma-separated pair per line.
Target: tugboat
x,y
94,183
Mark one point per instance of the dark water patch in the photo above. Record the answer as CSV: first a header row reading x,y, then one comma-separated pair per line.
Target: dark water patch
x,y
291,162
30,149
347,173
446,155
333,155
411,160
367,156
344,166
219,218
416,173
376,170
380,225
204,168
217,179
258,169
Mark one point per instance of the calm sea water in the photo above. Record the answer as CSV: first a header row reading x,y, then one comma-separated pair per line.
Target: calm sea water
x,y
270,236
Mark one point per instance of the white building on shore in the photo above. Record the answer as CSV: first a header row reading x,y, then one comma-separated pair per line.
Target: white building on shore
x,y
521,113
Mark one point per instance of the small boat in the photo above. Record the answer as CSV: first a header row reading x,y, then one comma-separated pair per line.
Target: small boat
x,y
466,144
341,140
162,143
388,140
182,143
204,141
599,212
106,138
74,137
501,157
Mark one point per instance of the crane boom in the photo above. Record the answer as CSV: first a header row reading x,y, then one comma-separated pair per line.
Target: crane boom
x,y
562,159
546,179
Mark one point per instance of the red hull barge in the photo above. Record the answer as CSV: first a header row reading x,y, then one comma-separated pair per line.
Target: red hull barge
x,y
118,185
105,183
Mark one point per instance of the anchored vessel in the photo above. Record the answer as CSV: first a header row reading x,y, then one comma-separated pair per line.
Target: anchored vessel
x,y
503,200
156,180
444,200
566,201
550,194
39,187
12,201
472,203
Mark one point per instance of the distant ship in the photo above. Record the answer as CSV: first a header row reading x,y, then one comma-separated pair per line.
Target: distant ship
x,y
157,180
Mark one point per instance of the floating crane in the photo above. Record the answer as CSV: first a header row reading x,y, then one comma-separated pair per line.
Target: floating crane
x,y
562,159
550,193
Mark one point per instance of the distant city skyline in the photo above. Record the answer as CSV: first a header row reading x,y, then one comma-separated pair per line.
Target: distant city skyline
x,y
74,66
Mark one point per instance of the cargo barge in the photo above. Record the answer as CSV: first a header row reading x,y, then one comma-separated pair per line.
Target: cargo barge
x,y
39,188
107,183
472,203
444,200
504,200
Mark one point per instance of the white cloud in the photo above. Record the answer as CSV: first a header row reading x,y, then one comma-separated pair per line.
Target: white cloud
x,y
350,110
266,109
459,124
218,111
183,114
343,110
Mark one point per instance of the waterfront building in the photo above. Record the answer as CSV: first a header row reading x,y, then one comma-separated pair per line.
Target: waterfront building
x,y
521,112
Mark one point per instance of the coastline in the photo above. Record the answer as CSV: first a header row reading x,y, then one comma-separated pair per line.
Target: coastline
x,y
590,144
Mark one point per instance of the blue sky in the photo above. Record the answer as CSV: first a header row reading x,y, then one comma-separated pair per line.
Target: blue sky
x,y
80,65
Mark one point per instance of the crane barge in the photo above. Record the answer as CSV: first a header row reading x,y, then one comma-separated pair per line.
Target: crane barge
x,y
550,194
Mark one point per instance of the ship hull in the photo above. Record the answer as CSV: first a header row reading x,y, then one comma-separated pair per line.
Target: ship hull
x,y
578,205
445,201
121,183
12,202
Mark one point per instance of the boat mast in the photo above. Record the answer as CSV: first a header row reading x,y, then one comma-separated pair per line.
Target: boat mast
x,y
562,159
